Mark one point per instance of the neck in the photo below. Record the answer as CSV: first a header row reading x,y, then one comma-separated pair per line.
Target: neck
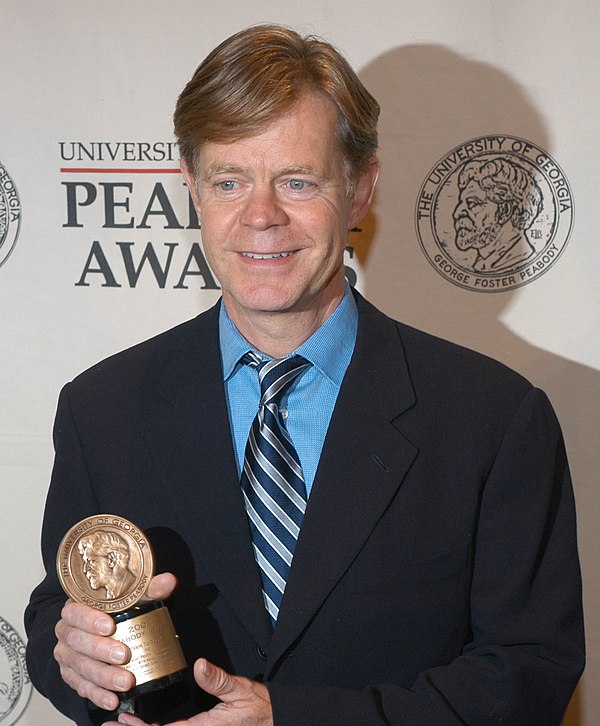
x,y
507,237
277,334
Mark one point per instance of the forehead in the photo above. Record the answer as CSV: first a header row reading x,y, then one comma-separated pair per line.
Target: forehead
x,y
304,136
474,189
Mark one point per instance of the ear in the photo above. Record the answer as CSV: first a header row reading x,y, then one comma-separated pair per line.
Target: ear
x,y
504,213
191,184
363,192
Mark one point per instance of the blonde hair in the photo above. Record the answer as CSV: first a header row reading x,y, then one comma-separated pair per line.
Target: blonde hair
x,y
255,76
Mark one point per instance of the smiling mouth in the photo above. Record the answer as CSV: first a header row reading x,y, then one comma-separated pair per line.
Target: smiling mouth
x,y
270,256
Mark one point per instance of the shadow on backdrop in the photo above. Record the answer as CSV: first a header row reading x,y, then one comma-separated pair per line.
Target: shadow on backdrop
x,y
432,100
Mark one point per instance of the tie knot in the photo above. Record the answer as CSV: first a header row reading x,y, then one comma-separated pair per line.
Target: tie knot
x,y
275,375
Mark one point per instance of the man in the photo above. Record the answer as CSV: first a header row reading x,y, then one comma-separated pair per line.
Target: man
x,y
499,201
435,577
106,563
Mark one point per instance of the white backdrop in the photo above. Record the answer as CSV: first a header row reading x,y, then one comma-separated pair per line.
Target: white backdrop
x,y
82,82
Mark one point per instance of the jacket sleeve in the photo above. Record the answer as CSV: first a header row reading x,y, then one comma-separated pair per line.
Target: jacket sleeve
x,y
69,499
526,650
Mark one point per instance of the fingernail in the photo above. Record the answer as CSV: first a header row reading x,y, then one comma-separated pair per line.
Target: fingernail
x,y
117,654
122,682
103,626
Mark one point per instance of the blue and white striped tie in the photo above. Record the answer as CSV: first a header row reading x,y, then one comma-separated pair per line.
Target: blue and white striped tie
x,y
272,479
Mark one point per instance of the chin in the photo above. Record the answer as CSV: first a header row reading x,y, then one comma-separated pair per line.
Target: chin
x,y
269,301
465,240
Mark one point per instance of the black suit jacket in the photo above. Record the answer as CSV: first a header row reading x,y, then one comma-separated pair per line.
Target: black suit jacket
x,y
435,579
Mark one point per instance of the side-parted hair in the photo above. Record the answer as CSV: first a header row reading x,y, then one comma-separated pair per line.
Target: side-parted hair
x,y
252,78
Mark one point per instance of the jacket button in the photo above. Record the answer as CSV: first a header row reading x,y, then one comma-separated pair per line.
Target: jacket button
x,y
261,653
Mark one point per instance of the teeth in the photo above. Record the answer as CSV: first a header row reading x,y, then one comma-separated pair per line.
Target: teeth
x,y
272,256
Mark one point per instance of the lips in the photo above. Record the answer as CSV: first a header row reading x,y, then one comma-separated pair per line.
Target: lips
x,y
268,256
462,225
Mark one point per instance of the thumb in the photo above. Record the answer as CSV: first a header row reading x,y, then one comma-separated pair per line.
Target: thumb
x,y
162,586
215,680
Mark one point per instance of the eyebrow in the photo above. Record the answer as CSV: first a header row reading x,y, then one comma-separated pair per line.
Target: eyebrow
x,y
226,168
299,169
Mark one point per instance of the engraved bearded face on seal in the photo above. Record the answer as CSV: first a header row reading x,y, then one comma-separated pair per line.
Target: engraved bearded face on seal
x,y
494,194
105,558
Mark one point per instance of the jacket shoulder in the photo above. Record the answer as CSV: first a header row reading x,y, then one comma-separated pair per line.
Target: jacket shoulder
x,y
443,366
147,359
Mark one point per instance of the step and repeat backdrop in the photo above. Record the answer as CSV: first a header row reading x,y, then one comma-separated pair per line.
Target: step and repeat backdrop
x,y
100,247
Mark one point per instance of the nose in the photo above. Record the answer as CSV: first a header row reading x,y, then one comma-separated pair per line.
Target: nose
x,y
460,210
262,208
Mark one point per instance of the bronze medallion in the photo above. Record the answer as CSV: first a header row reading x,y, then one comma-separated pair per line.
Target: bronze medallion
x,y
106,562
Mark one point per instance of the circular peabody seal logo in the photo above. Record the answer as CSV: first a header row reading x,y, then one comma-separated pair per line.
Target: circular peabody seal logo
x,y
15,686
10,215
106,562
494,214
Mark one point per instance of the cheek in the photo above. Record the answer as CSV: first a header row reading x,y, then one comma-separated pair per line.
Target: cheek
x,y
213,235
479,218
488,216
328,224
214,215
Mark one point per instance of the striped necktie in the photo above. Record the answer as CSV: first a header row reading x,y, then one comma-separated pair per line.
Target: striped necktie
x,y
272,479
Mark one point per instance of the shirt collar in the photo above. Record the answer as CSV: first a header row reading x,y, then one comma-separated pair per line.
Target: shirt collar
x,y
329,348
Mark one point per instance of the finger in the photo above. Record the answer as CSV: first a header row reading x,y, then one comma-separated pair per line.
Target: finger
x,y
85,658
241,700
217,682
107,676
162,586
86,618
88,689
74,642
91,678
129,719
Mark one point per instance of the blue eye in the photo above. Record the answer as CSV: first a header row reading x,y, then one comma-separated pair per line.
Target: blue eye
x,y
226,185
296,184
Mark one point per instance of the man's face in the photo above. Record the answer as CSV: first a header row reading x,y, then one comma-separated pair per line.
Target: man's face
x,y
97,569
475,218
275,213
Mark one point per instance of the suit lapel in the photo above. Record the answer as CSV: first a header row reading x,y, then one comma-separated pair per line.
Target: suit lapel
x,y
190,437
363,463
364,460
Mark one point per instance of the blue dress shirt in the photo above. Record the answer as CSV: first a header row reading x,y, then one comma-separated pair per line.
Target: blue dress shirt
x,y
309,403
